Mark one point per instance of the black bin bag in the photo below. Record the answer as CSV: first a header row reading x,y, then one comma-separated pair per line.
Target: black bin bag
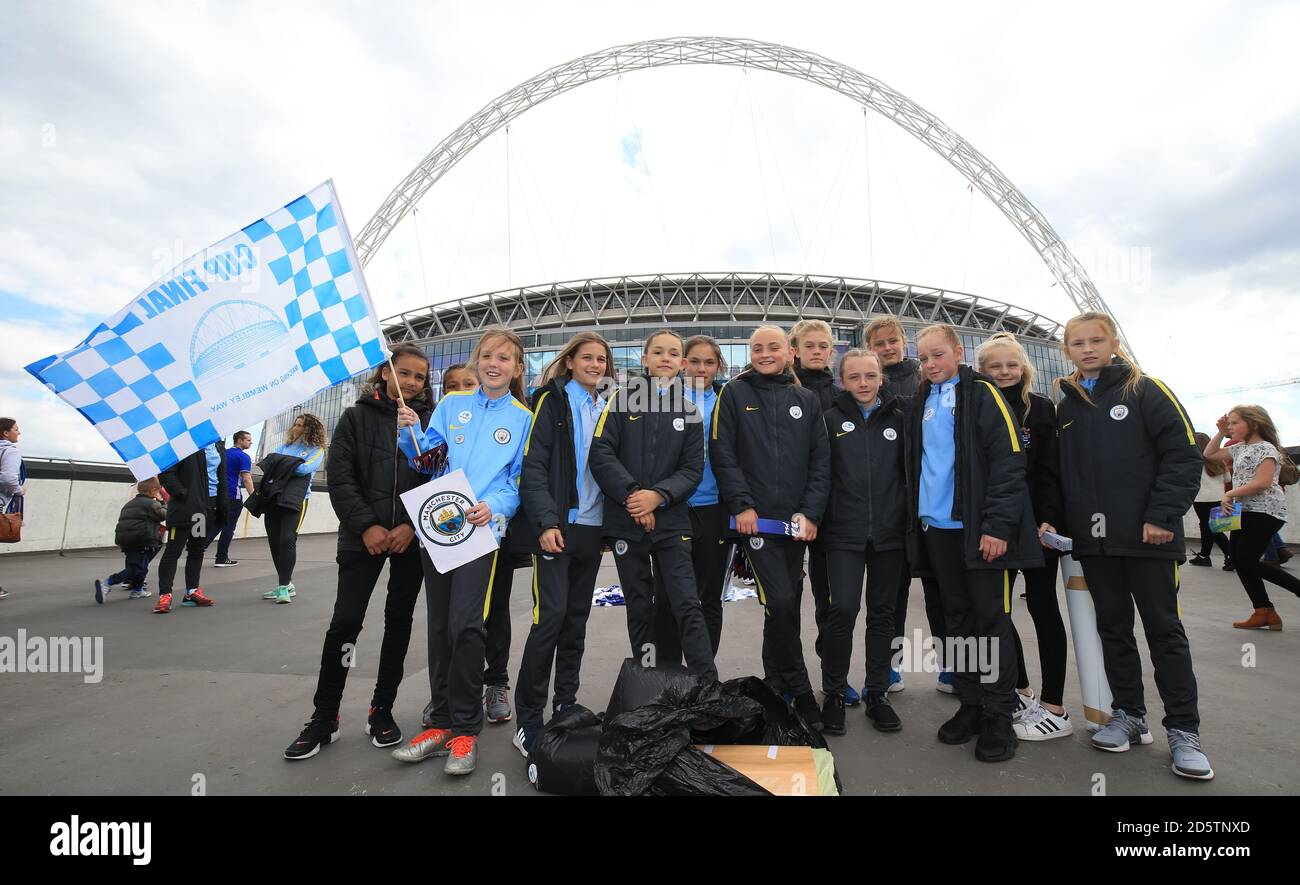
x,y
637,686
563,760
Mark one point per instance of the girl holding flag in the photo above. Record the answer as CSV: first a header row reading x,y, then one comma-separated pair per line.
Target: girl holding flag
x,y
482,433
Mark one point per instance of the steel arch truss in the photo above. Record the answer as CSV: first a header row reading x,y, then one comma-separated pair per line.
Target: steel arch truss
x,y
672,299
867,91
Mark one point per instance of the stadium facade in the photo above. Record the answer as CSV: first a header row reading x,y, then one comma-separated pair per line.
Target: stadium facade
x,y
727,306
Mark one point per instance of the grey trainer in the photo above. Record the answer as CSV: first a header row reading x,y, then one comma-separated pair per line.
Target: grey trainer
x,y
1115,736
496,703
424,745
1188,759
463,755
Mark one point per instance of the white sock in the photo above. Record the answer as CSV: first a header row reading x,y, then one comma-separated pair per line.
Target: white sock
x,y
188,592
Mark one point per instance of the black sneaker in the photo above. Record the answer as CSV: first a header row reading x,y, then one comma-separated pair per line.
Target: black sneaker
x,y
525,737
997,740
226,563
1200,560
382,729
317,733
880,712
964,725
833,714
1227,564
806,706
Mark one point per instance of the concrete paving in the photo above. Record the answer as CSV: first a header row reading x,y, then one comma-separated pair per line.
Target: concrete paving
x,y
210,697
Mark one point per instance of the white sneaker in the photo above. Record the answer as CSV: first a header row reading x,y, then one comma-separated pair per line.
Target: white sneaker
x,y
1040,724
1024,703
140,594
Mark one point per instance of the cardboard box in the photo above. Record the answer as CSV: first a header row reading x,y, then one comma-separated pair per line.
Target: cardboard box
x,y
782,771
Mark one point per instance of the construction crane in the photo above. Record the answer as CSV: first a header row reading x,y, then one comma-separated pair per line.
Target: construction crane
x,y
1266,384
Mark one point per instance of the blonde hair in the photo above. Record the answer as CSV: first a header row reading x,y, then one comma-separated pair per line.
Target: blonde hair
x,y
556,368
1259,421
804,326
492,334
943,329
879,324
1006,339
857,353
1072,380
788,361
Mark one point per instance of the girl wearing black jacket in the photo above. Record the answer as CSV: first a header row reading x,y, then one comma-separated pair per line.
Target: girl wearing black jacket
x,y
648,456
813,351
971,523
561,511
367,477
772,460
864,530
1129,471
1004,359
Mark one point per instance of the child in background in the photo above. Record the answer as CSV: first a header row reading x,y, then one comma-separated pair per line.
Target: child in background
x,y
1129,471
1256,456
137,535
1214,478
457,378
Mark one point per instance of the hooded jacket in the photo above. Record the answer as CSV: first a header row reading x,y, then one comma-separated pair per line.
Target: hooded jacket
x,y
648,439
991,494
902,379
367,472
12,474
868,499
548,482
769,449
283,486
137,524
820,382
1042,452
186,483
1126,460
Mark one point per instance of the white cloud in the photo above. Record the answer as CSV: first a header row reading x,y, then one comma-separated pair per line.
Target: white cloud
x,y
1159,130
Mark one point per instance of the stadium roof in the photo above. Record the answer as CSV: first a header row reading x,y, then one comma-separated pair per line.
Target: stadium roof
x,y
712,297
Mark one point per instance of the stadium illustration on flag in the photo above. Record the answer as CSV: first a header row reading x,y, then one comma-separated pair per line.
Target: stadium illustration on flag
x,y
241,331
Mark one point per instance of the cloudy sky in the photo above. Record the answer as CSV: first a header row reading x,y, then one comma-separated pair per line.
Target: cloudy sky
x,y
1161,140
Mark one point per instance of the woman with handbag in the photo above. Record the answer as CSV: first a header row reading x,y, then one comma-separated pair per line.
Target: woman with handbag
x,y
13,485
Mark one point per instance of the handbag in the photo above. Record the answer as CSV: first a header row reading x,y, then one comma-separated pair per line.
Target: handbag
x,y
11,523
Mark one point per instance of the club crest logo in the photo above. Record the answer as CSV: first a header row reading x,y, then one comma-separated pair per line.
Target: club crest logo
x,y
464,416
620,547
442,519
796,412
679,424
1119,413
501,435
891,434
756,543
929,415
460,438
847,426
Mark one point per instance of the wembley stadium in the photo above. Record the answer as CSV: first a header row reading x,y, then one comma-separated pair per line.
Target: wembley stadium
x,y
727,306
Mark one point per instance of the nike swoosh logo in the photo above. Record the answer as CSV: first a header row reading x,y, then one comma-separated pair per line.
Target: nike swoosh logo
x,y
751,408
845,433
633,417
684,538
1066,424
456,427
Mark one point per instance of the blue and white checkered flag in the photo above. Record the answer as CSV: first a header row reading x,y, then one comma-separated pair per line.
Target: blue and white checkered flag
x,y
246,329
